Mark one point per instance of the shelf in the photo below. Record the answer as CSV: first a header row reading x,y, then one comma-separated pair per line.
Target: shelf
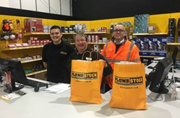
x,y
33,60
96,32
37,72
150,56
68,33
148,34
35,33
173,44
90,43
42,33
98,43
21,48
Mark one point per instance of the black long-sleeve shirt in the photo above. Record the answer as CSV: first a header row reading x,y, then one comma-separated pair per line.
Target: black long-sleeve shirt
x,y
95,56
56,57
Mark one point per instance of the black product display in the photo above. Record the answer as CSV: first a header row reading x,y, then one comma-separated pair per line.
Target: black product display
x,y
72,28
112,28
172,27
159,74
66,29
18,75
62,29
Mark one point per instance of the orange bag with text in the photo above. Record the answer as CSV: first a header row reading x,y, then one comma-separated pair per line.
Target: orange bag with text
x,y
128,91
86,77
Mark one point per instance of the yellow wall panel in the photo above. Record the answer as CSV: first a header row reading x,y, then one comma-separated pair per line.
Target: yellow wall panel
x,y
175,15
127,19
100,23
56,22
160,21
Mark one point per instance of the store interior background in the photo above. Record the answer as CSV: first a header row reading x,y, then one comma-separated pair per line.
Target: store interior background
x,y
93,13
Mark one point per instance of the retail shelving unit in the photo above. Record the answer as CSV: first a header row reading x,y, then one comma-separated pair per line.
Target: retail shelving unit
x,y
42,34
173,44
37,72
149,34
32,60
21,48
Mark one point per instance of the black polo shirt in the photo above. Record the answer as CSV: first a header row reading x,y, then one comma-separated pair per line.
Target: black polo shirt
x,y
56,57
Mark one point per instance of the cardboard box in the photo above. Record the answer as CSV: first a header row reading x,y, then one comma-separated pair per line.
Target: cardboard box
x,y
152,29
33,25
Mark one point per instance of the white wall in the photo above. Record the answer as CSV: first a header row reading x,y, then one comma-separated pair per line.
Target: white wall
x,y
43,6
28,5
14,4
55,6
4,3
65,6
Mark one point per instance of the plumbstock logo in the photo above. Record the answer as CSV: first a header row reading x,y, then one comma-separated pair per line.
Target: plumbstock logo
x,y
80,75
128,80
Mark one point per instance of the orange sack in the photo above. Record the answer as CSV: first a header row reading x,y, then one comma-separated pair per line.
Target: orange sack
x,y
128,91
86,77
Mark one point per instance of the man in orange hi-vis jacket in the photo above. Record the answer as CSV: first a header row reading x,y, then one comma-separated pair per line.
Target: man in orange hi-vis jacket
x,y
119,49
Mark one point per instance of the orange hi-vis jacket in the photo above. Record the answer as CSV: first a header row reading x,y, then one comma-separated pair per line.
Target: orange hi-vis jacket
x,y
126,52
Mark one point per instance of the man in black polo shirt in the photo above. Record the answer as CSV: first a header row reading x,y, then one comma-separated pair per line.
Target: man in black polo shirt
x,y
82,48
55,56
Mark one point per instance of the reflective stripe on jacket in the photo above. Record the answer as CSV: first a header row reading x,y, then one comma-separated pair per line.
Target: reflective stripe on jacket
x,y
126,52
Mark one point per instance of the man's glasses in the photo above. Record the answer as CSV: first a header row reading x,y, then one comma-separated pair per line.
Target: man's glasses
x,y
118,30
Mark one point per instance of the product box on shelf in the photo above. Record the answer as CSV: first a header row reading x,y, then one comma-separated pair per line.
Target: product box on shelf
x,y
46,28
137,41
144,50
102,29
162,46
93,38
25,44
33,25
104,39
50,27
152,29
153,47
11,46
37,42
18,44
66,29
178,39
79,27
170,39
71,28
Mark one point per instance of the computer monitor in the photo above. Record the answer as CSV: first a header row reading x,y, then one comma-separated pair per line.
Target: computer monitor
x,y
17,72
158,76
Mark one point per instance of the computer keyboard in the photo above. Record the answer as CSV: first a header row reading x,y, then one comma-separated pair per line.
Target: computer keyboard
x,y
34,83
